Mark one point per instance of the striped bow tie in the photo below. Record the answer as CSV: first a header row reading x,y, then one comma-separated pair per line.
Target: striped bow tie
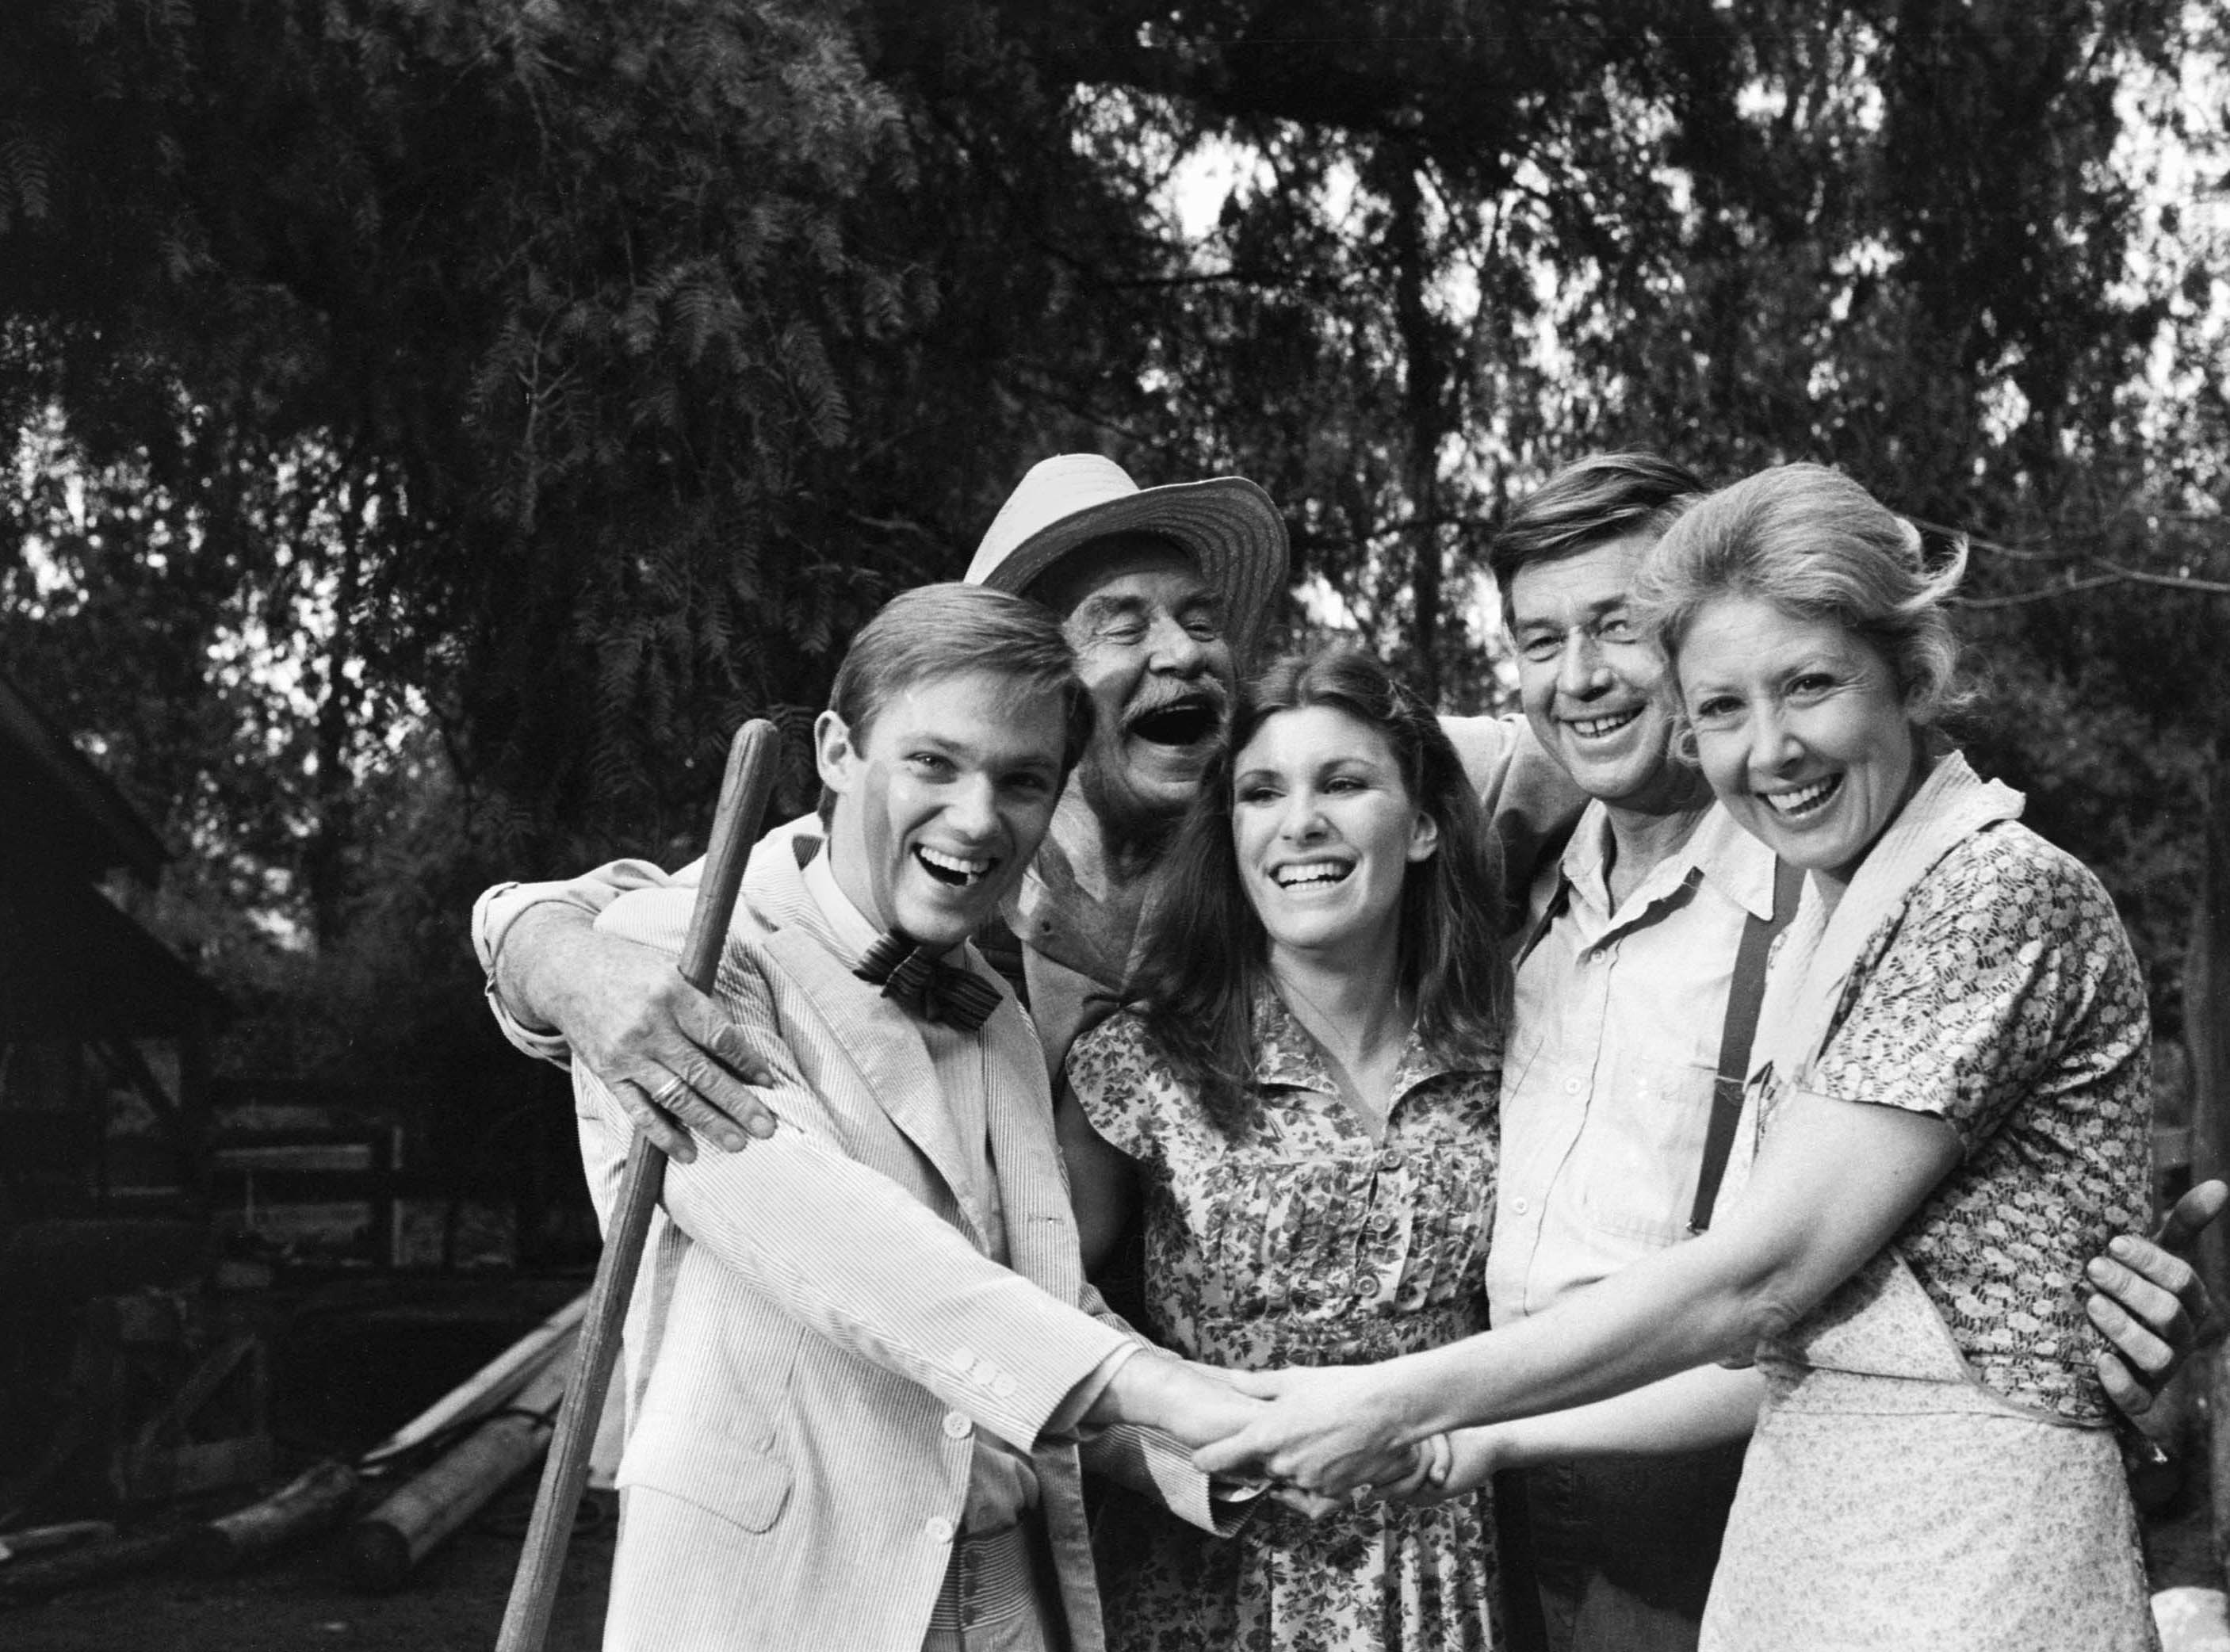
x,y
918,981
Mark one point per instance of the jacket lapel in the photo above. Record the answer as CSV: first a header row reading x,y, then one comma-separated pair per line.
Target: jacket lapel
x,y
882,1040
886,1047
1041,1239
885,1043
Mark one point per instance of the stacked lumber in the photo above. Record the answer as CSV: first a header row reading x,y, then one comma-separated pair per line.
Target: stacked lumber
x,y
444,1465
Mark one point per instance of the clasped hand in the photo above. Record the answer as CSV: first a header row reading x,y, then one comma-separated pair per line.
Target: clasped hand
x,y
1222,1415
1328,1433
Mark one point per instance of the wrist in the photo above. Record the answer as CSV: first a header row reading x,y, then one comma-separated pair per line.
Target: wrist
x,y
1411,1401
1137,1393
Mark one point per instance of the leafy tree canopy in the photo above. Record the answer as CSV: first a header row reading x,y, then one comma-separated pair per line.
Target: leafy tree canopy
x,y
436,426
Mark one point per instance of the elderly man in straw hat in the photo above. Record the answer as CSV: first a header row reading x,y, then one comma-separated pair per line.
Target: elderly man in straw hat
x,y
1165,593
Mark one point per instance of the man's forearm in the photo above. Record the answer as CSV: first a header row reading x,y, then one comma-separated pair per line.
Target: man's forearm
x,y
860,1261
546,952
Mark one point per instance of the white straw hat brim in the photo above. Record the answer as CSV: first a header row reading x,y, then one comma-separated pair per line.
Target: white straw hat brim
x,y
1227,524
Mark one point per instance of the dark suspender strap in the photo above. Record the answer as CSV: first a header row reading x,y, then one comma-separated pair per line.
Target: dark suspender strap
x,y
1559,898
1743,997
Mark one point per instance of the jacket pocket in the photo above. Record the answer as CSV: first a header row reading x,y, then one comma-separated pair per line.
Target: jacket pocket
x,y
740,1482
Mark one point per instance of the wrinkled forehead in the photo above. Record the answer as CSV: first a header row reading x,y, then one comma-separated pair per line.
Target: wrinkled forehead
x,y
1591,579
1117,562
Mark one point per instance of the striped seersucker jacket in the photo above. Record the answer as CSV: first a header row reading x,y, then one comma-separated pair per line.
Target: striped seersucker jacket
x,y
816,1333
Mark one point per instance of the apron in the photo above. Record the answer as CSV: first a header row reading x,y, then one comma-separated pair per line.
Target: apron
x,y
1889,1500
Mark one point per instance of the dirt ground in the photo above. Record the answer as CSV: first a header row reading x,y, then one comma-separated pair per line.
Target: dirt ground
x,y
453,1602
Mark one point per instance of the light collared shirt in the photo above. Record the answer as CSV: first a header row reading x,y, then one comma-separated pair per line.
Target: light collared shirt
x,y
1606,1086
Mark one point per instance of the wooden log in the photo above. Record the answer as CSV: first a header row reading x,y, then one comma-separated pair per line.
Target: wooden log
x,y
38,1539
96,1562
313,1501
490,1385
318,1498
387,1544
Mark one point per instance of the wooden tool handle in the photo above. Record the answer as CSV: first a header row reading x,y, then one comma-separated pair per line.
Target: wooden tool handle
x,y
744,792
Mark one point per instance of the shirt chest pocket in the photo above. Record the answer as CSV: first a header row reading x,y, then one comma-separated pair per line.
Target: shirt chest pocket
x,y
1642,1148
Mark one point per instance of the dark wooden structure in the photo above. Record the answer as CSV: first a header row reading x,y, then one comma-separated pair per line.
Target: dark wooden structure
x,y
121,1379
90,1002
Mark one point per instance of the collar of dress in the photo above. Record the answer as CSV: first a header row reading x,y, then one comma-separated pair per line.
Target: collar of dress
x,y
1287,1057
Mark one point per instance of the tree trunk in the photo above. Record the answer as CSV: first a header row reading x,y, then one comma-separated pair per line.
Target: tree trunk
x,y
333,828
1425,392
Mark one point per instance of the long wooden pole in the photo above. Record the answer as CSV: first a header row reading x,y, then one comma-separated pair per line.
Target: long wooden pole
x,y
744,792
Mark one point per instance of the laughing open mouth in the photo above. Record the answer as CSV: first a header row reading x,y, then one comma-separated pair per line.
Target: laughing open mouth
x,y
955,871
1800,801
1312,874
1181,722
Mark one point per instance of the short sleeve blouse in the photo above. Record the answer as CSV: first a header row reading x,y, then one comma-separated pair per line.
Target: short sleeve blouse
x,y
2004,999
1305,1240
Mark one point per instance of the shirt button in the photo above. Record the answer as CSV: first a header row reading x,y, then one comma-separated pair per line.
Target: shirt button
x,y
956,1426
1390,1159
937,1529
1520,1205
1004,1384
1571,1087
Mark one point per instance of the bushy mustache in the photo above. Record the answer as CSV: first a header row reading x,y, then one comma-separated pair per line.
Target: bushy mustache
x,y
1154,696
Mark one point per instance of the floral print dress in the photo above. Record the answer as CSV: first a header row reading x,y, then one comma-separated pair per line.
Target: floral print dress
x,y
1307,1241
1933,1465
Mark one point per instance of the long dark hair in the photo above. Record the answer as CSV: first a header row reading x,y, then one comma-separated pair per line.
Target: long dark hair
x,y
1206,952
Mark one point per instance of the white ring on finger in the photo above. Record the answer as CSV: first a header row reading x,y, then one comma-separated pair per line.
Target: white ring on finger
x,y
664,1095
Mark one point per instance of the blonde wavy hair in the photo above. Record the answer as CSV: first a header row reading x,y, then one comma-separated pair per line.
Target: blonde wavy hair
x,y
1814,543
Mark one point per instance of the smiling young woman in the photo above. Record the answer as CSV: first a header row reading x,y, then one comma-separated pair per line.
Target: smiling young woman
x,y
1302,1102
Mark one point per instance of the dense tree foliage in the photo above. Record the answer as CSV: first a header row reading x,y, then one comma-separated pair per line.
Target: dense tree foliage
x,y
436,426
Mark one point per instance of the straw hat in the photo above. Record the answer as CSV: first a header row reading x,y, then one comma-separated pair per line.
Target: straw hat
x,y
1228,524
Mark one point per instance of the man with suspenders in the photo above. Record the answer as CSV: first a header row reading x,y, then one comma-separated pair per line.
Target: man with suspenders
x,y
1640,972
1639,975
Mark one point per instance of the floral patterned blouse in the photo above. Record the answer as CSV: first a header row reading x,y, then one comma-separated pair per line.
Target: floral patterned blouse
x,y
1308,1241
2004,999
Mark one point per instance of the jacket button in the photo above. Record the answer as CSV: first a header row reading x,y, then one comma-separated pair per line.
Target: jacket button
x,y
956,1426
938,1529
1004,1384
